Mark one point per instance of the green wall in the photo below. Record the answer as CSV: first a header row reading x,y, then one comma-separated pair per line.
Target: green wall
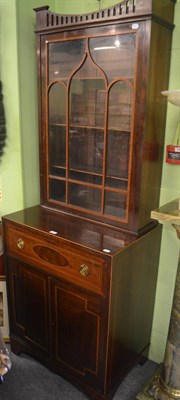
x,y
82,6
170,189
11,172
19,168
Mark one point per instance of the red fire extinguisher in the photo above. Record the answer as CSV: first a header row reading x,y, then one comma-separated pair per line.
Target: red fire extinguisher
x,y
173,150
173,154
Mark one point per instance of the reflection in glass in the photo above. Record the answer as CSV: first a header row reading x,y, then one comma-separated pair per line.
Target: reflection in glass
x,y
64,57
57,190
118,145
115,204
85,197
119,48
87,97
89,152
57,129
82,176
86,150
120,106
116,183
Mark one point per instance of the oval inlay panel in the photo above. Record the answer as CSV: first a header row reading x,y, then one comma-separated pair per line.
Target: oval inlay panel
x,y
51,256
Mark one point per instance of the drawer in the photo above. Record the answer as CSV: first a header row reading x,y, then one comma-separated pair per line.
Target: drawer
x,y
58,258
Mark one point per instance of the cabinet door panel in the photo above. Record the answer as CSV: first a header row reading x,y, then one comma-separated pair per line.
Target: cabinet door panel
x,y
80,333
57,130
85,196
64,57
120,49
28,305
91,106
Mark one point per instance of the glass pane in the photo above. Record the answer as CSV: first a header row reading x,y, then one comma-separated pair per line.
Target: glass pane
x,y
85,197
114,54
115,204
84,177
57,190
87,97
86,150
64,57
116,183
58,171
118,146
120,106
57,129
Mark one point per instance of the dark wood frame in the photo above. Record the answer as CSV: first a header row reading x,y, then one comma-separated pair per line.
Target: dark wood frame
x,y
81,290
146,162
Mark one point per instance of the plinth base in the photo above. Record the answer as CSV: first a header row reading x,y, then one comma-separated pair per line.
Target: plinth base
x,y
154,389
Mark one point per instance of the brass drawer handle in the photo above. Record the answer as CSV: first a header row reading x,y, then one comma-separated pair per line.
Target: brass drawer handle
x,y
20,244
84,270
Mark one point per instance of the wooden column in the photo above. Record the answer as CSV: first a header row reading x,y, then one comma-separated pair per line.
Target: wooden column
x,y
165,383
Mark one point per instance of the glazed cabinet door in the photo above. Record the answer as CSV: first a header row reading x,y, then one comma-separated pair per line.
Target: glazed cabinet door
x,y
98,121
80,331
28,305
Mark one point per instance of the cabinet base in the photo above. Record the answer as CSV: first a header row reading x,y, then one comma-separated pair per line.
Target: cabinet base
x,y
18,347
